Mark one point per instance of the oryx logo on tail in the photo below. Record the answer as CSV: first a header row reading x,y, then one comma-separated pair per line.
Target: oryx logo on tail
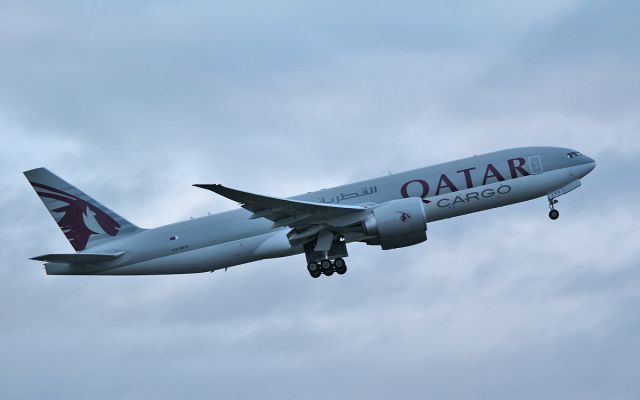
x,y
80,219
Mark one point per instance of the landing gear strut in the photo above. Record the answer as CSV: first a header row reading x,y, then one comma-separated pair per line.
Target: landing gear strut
x,y
553,213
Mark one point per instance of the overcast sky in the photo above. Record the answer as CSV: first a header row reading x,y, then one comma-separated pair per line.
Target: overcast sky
x,y
135,101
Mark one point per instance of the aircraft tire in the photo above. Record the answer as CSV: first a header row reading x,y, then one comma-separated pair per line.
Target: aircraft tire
x,y
340,266
554,214
327,267
313,267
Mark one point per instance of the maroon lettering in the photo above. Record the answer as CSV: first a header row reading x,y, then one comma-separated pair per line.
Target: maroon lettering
x,y
467,176
517,168
445,182
492,172
404,190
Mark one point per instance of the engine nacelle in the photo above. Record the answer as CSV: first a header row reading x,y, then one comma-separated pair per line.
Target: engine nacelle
x,y
397,223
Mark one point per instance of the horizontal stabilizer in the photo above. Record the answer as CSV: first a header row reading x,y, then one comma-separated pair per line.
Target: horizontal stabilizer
x,y
79,258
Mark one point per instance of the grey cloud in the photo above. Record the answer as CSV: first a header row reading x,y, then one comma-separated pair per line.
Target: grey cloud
x,y
135,102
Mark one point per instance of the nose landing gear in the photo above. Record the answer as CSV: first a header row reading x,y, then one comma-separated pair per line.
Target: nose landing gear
x,y
553,213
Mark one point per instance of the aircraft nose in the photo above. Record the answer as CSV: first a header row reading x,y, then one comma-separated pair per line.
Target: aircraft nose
x,y
591,163
588,166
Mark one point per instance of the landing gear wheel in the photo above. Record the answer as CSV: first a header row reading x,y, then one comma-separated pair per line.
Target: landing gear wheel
x,y
340,266
327,267
314,269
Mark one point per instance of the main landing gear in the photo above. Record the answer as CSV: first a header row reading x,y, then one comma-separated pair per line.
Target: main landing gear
x,y
553,213
327,267
325,255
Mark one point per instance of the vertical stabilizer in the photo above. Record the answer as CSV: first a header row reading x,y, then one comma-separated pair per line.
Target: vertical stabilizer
x,y
84,221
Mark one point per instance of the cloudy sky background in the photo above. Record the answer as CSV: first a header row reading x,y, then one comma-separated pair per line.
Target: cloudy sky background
x,y
135,101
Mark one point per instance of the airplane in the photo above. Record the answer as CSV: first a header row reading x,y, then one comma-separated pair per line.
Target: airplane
x,y
391,212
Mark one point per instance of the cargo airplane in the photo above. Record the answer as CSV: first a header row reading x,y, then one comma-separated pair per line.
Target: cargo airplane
x,y
391,212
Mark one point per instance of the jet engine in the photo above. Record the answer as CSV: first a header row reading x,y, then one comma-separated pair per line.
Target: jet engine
x,y
397,223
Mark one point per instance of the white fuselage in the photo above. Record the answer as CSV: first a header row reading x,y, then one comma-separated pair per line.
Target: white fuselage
x,y
448,190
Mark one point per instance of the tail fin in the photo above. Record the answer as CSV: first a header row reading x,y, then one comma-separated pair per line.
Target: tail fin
x,y
84,221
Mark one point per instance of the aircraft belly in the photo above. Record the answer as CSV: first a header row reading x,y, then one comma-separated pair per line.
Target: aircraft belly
x,y
212,257
276,245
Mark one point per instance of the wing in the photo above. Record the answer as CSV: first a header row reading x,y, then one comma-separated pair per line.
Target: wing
x,y
305,218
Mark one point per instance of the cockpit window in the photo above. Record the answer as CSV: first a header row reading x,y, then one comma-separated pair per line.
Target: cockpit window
x,y
574,154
